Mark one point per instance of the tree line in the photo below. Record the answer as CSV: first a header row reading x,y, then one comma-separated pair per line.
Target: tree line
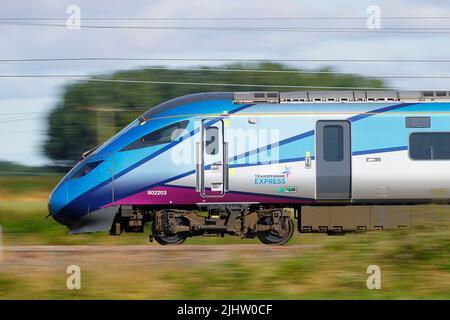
x,y
91,112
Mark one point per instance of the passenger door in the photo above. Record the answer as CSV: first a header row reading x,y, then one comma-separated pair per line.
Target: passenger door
x,y
333,158
212,159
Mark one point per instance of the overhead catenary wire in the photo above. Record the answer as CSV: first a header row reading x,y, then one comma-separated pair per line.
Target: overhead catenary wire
x,y
242,70
256,85
229,18
21,119
409,30
86,78
298,72
349,60
41,116
22,113
301,72
22,131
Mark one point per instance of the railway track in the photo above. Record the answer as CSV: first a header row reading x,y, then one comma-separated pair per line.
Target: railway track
x,y
137,255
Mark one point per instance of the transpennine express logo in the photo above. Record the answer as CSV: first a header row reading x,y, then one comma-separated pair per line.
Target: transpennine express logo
x,y
276,179
286,171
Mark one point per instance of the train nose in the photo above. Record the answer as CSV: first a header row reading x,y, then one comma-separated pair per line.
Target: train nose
x,y
56,210
57,201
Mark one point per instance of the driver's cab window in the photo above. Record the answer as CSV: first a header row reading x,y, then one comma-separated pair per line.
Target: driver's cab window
x,y
161,136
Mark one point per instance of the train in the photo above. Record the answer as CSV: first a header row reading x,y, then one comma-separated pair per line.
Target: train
x,y
249,163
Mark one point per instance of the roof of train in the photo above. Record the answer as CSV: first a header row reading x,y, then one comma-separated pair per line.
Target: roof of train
x,y
195,97
303,97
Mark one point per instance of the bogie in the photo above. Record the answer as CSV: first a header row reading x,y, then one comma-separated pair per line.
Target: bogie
x,y
270,226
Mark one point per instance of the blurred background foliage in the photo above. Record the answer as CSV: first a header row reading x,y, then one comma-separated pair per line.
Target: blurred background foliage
x,y
90,112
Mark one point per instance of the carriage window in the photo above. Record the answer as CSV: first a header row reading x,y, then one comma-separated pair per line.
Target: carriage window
x,y
85,169
160,136
333,143
429,146
212,140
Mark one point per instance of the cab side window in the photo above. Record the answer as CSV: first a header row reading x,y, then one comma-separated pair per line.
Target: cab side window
x,y
85,169
161,136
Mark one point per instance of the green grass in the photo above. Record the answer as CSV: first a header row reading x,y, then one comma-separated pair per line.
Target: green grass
x,y
415,263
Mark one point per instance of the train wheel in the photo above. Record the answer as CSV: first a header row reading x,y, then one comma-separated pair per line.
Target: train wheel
x,y
170,239
272,238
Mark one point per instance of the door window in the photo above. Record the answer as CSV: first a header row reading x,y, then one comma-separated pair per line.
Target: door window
x,y
333,143
212,140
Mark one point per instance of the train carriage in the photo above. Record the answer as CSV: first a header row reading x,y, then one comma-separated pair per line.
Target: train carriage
x,y
240,163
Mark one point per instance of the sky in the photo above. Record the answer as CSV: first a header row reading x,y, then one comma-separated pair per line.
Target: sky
x,y
21,136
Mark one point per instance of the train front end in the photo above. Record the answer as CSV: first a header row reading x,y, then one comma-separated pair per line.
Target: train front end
x,y
83,199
